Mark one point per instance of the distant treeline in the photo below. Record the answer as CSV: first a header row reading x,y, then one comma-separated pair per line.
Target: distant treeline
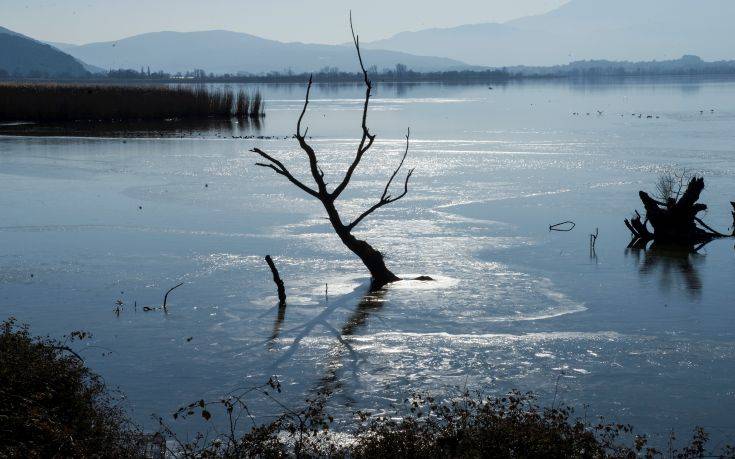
x,y
327,74
687,65
73,102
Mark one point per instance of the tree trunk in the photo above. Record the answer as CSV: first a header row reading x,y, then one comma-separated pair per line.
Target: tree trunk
x,y
674,222
371,258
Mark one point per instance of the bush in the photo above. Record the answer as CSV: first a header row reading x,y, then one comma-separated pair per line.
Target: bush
x,y
51,404
463,426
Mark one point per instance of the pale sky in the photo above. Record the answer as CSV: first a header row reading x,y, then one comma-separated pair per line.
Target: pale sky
x,y
311,21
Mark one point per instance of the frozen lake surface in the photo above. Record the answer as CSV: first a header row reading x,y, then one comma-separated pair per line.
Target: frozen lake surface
x,y
639,337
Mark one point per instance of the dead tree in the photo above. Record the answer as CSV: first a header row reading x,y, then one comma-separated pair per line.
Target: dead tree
x,y
675,221
371,257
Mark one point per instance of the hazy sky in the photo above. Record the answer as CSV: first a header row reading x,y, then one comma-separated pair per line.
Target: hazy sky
x,y
316,21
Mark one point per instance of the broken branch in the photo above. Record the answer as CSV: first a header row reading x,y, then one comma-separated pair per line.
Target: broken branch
x,y
558,226
165,297
277,280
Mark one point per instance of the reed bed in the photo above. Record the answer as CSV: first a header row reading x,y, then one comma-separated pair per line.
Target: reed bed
x,y
72,102
249,106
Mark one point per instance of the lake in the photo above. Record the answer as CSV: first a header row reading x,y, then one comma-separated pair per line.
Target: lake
x,y
639,337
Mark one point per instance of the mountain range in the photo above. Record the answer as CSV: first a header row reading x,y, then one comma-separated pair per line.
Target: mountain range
x,y
620,30
634,30
220,51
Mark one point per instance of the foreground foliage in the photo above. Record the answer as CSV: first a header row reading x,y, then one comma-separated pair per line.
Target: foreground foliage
x,y
51,404
464,426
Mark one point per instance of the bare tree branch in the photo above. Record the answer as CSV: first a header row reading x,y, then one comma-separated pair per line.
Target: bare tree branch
x,y
280,169
386,198
367,139
303,110
313,162
400,165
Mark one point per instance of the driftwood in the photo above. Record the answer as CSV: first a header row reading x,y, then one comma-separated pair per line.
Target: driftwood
x,y
675,221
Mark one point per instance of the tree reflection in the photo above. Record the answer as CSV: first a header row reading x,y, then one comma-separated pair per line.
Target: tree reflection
x,y
338,363
675,264
341,356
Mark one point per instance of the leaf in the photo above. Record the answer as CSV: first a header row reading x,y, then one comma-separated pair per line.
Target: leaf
x,y
206,415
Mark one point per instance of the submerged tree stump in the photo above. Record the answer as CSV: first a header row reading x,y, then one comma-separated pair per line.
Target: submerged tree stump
x,y
674,221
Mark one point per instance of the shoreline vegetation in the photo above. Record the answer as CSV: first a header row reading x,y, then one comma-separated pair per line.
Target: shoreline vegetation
x,y
686,66
53,405
62,102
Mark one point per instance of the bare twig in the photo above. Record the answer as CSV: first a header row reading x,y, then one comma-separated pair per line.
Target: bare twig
x,y
367,139
386,198
593,241
557,226
165,297
280,169
70,351
709,228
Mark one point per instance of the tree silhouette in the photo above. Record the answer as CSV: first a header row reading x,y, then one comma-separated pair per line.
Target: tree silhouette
x,y
372,258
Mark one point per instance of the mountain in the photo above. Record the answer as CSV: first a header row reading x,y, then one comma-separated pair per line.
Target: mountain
x,y
24,56
61,46
635,30
230,52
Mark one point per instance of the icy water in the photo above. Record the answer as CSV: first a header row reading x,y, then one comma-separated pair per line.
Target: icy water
x,y
641,337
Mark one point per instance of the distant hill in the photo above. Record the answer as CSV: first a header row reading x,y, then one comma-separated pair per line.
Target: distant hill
x,y
23,56
633,30
230,52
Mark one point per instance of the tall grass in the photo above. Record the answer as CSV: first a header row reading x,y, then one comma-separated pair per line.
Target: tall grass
x,y
71,102
247,106
242,106
257,108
